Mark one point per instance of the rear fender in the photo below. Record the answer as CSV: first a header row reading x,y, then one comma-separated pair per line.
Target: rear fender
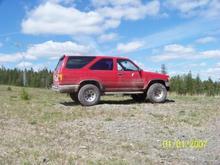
x,y
92,81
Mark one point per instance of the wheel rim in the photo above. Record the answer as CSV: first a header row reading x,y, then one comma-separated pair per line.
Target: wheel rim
x,y
158,93
89,95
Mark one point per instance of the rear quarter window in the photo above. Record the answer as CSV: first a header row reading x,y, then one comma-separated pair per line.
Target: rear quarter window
x,y
78,62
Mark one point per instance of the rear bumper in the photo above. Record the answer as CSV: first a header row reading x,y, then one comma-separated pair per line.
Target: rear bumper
x,y
65,88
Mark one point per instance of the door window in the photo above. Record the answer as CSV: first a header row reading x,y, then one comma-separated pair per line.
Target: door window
x,y
126,65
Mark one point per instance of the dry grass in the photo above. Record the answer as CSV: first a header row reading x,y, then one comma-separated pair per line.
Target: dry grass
x,y
51,129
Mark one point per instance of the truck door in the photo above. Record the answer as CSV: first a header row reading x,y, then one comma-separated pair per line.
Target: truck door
x,y
128,76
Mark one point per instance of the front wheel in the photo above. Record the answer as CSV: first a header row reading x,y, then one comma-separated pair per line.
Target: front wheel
x,y
157,93
89,95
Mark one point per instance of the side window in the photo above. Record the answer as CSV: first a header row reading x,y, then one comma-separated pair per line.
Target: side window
x,y
127,65
76,62
103,64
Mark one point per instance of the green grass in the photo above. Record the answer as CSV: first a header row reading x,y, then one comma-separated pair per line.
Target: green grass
x,y
24,95
108,119
49,128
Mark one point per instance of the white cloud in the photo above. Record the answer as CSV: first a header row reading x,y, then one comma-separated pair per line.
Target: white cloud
x,y
54,18
111,24
180,52
23,65
174,51
49,49
14,57
107,37
4,58
186,6
56,49
213,10
66,2
206,40
175,48
98,3
202,64
35,66
130,47
213,72
130,12
211,54
200,8
143,65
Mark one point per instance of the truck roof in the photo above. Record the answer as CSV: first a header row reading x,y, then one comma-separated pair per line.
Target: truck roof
x,y
99,56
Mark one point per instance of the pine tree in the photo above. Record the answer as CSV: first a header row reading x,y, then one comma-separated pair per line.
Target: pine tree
x,y
163,69
189,83
210,87
198,85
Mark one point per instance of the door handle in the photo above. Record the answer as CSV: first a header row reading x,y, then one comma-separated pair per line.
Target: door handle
x,y
120,74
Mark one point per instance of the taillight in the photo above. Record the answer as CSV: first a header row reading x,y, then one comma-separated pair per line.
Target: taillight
x,y
60,77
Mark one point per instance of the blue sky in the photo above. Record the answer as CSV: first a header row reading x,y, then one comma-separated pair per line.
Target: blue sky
x,y
182,34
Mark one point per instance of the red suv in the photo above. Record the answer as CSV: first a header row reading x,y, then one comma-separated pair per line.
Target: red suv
x,y
86,78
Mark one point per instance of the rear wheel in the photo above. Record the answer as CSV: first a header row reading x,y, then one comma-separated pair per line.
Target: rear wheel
x,y
139,97
89,95
74,97
157,93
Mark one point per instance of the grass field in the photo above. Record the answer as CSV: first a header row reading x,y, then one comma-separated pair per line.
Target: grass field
x,y
51,129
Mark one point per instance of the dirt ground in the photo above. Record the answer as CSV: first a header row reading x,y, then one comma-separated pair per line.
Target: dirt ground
x,y
51,129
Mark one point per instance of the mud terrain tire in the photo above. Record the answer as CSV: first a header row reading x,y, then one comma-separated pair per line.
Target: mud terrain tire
x,y
157,93
89,95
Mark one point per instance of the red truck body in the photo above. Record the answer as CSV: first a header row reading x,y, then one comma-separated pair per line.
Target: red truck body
x,y
109,74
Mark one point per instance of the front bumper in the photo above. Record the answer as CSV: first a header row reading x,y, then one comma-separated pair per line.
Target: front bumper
x,y
167,84
65,88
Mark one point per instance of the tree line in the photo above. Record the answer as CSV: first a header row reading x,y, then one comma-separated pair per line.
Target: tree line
x,y
40,79
186,84
181,84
